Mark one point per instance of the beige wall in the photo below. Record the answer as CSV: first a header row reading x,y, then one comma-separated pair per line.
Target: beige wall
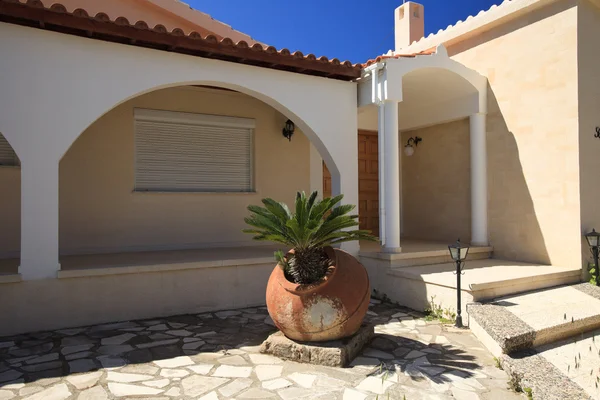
x,y
99,212
533,164
589,118
436,187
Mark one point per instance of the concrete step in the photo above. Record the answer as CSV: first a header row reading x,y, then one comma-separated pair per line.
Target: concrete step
x,y
546,379
425,256
529,320
482,280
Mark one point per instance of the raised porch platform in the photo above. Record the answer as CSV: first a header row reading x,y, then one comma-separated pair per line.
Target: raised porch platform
x,y
424,270
99,288
73,266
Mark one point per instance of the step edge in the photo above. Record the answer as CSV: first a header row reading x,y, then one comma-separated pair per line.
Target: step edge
x,y
532,337
553,385
402,273
575,273
420,254
546,335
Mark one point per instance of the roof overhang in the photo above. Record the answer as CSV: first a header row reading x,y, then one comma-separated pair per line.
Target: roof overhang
x,y
57,19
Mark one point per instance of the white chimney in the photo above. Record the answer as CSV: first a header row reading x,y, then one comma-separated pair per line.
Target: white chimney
x,y
409,24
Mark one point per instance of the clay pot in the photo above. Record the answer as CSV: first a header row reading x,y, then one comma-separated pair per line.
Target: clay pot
x,y
329,310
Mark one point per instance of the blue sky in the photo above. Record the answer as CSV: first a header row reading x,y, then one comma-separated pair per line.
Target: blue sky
x,y
347,29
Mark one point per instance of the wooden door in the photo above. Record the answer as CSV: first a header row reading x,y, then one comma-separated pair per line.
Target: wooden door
x,y
368,181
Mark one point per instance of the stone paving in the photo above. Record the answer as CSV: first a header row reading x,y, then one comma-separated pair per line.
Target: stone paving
x,y
216,356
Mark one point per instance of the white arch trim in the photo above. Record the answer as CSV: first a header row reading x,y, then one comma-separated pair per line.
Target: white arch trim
x,y
57,85
79,80
397,68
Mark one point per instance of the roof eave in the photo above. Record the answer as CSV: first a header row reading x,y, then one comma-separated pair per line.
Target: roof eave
x,y
56,18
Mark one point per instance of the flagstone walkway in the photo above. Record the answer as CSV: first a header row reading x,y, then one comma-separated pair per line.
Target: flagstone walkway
x,y
216,356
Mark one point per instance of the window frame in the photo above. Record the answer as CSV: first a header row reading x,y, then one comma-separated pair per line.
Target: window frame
x,y
189,118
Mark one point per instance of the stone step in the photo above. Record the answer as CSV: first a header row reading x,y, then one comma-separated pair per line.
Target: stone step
x,y
530,320
563,370
534,373
482,280
426,257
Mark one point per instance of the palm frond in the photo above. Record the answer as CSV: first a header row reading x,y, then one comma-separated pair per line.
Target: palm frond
x,y
315,224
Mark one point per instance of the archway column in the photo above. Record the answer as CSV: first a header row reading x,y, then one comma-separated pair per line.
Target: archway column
x,y
391,181
39,219
479,217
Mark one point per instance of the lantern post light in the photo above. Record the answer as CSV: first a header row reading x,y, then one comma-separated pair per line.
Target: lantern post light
x,y
459,253
593,239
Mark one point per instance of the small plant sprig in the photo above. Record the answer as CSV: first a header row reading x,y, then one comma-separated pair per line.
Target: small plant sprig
x,y
498,364
592,271
436,312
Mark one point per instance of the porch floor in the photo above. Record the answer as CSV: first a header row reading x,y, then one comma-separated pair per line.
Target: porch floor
x,y
147,261
132,262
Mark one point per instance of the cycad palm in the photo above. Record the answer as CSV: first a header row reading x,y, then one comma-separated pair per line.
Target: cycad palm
x,y
314,225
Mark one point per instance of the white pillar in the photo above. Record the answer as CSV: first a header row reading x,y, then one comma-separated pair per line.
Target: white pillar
x,y
479,218
381,158
39,219
391,172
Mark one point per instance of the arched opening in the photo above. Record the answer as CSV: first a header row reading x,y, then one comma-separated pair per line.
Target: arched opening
x,y
435,173
10,212
124,194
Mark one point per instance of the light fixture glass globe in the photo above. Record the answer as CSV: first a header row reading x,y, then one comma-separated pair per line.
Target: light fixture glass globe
x,y
409,150
593,238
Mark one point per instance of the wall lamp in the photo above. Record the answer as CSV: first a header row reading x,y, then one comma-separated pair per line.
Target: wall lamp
x,y
593,239
288,130
409,149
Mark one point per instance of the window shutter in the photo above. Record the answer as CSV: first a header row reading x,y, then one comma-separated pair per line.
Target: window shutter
x,y
182,152
7,154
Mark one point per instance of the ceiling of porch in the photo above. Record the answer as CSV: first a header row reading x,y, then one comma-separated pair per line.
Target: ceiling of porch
x,y
430,96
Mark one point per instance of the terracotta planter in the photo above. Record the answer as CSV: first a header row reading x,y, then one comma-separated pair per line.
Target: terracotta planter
x,y
329,310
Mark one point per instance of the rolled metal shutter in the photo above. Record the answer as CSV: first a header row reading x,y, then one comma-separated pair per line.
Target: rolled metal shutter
x,y
182,152
7,154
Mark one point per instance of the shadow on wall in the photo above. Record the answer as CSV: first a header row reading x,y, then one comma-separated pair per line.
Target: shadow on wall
x,y
437,189
514,229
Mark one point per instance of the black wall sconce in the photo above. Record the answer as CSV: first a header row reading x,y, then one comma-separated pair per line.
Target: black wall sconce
x,y
597,135
289,129
409,149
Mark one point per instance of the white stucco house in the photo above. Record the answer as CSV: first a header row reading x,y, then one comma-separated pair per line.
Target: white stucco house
x,y
133,139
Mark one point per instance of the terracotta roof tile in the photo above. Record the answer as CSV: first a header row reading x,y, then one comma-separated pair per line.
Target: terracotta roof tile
x,y
395,56
120,30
